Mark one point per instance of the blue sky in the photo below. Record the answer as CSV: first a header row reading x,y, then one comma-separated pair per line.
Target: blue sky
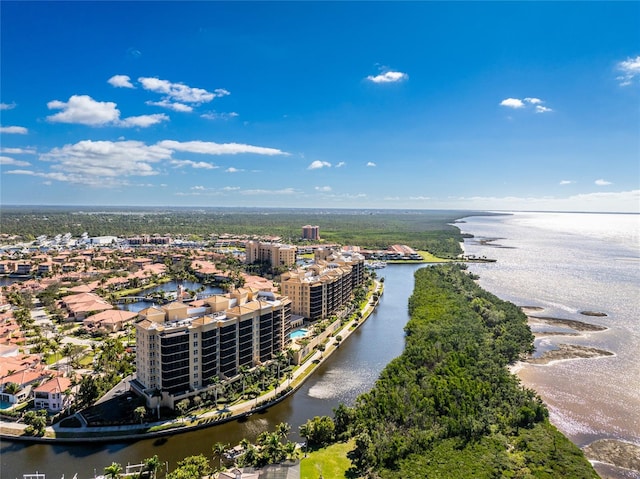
x,y
427,105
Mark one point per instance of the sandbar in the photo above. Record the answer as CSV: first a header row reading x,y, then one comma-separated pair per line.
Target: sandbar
x,y
614,452
570,323
569,351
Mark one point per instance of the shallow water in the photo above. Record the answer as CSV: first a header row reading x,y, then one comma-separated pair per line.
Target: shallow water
x,y
567,263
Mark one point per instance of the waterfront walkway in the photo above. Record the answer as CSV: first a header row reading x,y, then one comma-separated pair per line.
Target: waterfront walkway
x,y
55,433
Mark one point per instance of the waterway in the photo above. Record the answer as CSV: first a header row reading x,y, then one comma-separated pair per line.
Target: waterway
x,y
350,371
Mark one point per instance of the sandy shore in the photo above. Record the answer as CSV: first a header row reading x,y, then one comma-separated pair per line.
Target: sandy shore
x,y
614,452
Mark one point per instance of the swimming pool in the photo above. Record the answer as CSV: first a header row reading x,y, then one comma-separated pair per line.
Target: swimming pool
x,y
298,333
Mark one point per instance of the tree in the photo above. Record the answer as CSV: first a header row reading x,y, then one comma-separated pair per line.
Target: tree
x,y
152,464
139,413
191,467
12,388
182,407
282,430
113,471
36,422
318,431
218,450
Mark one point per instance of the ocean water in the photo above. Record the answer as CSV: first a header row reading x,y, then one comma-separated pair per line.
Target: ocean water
x,y
567,263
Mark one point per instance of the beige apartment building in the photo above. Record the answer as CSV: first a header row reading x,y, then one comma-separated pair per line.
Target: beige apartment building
x,y
275,254
319,290
311,232
181,349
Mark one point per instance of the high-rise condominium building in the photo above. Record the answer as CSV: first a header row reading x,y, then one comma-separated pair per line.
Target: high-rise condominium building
x,y
274,253
321,289
311,232
181,350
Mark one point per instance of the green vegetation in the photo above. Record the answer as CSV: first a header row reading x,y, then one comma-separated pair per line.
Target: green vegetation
x,y
330,461
377,229
448,406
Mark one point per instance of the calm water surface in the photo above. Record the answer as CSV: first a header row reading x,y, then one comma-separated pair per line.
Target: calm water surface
x,y
567,263
349,372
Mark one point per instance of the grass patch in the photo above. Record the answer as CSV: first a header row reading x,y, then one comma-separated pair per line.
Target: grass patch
x,y
330,462
432,258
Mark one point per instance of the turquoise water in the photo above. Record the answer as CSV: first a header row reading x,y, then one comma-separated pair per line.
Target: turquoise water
x,y
298,333
5,405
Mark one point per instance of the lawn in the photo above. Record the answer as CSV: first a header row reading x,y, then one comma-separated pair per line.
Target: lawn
x,y
329,462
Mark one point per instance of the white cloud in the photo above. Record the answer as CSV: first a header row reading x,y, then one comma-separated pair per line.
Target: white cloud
x,y
517,103
7,106
84,110
219,116
210,148
284,191
143,121
630,68
175,106
105,163
371,164
512,103
19,130
18,151
420,198
231,169
542,109
566,182
323,188
388,77
199,188
340,164
602,182
120,81
317,164
193,164
6,160
112,163
231,188
180,92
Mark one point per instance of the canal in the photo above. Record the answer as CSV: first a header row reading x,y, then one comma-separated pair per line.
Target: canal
x,y
350,371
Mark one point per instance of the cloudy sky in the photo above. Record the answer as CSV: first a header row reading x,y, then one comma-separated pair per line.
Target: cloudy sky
x,y
508,105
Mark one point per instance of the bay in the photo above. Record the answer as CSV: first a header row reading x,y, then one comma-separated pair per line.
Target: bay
x,y
566,264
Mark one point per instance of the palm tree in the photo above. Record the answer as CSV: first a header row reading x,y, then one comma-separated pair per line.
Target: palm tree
x,y
113,471
152,465
218,449
243,372
12,388
280,359
291,450
140,412
282,430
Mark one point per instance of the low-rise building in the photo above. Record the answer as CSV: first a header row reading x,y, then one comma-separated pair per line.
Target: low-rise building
x,y
53,395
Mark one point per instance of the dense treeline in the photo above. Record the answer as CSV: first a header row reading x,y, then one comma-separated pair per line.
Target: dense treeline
x,y
423,230
448,406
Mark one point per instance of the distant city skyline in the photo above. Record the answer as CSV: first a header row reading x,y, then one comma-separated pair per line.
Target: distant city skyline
x,y
385,105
